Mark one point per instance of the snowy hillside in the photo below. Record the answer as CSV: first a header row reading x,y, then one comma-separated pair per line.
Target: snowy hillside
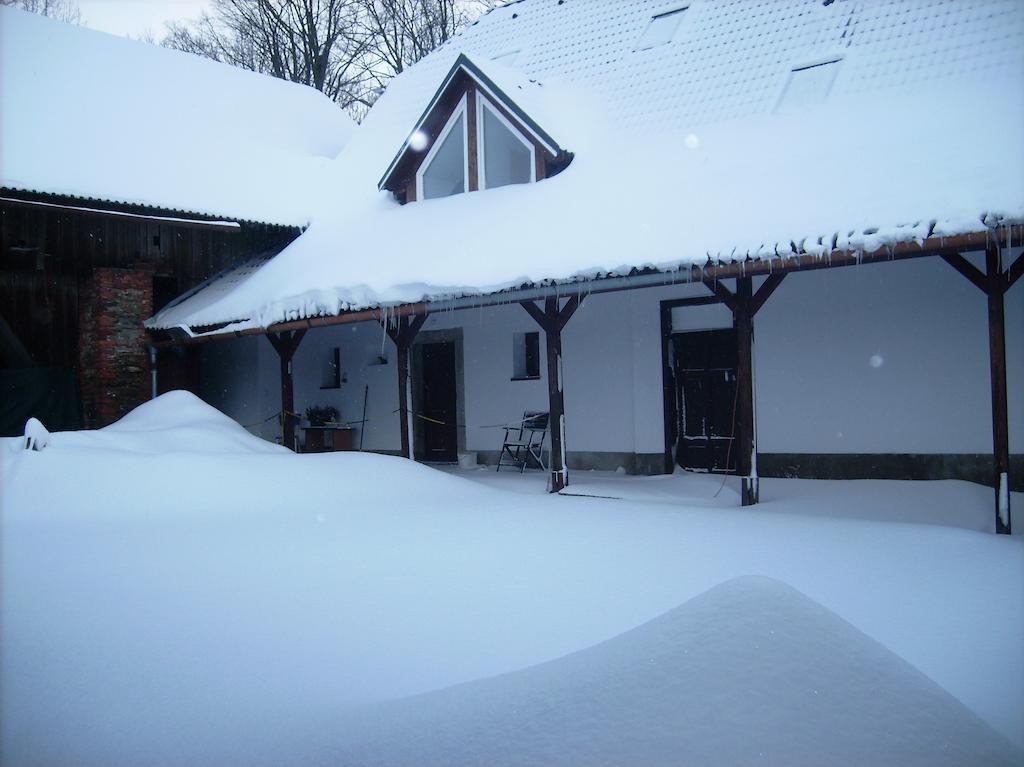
x,y
164,605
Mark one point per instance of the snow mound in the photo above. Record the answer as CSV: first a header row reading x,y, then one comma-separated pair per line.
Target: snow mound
x,y
750,671
177,421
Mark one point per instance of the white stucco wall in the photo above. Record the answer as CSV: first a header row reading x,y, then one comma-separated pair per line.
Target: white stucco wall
x,y
818,391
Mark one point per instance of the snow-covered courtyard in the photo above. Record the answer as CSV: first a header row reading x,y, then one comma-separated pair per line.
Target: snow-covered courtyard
x,y
176,591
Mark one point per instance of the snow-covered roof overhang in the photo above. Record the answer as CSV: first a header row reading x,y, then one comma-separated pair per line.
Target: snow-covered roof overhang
x,y
172,331
92,116
688,155
512,90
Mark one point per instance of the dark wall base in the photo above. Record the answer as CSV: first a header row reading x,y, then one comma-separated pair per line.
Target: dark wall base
x,y
633,463
973,467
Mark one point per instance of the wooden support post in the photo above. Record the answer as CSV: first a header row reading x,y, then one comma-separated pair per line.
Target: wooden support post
x,y
997,283
285,344
402,333
746,423
552,320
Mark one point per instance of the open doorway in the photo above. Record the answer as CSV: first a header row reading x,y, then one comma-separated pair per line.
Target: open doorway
x,y
437,397
704,371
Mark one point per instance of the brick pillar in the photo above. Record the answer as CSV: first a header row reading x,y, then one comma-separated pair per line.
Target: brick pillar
x,y
113,352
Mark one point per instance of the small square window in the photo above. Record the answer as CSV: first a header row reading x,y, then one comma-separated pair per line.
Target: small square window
x,y
525,355
661,29
808,86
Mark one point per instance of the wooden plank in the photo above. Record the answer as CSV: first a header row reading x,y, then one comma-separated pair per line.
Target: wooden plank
x,y
537,313
746,439
725,295
997,367
568,310
968,270
552,320
285,344
556,397
1014,272
402,333
473,182
765,291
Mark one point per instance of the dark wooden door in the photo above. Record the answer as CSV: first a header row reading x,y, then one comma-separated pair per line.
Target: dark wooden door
x,y
704,364
437,427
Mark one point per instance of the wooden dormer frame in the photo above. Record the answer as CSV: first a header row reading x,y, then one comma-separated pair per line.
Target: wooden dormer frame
x,y
467,90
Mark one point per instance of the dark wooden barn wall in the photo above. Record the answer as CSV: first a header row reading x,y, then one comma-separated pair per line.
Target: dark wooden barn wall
x,y
48,258
45,255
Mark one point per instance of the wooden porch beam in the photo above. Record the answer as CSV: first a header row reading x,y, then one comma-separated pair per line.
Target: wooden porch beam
x,y
285,344
968,270
765,291
1015,271
746,427
402,333
552,320
538,315
725,295
997,366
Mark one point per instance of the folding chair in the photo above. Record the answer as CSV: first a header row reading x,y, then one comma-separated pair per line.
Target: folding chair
x,y
523,441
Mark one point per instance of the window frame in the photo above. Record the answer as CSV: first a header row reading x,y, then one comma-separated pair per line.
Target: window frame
x,y
460,110
525,374
483,102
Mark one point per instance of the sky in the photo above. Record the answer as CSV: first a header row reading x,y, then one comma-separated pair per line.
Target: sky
x,y
136,18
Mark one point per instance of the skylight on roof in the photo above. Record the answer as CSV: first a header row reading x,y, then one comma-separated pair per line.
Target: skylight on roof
x,y
807,86
661,29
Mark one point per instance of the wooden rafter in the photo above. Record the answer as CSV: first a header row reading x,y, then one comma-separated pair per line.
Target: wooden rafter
x,y
968,270
764,292
725,295
1015,271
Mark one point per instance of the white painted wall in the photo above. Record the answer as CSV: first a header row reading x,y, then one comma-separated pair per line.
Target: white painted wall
x,y
817,389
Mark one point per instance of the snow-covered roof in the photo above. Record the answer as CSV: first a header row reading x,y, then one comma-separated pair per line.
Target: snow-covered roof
x,y
725,143
91,115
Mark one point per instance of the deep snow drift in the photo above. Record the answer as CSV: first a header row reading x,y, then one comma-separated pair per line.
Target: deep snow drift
x,y
177,606
749,672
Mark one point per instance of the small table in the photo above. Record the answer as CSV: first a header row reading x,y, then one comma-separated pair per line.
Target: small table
x,y
327,439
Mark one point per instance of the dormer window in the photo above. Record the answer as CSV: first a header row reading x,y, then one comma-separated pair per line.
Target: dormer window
x,y
445,169
507,156
473,136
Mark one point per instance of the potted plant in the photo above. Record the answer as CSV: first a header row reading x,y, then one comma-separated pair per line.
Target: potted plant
x,y
321,415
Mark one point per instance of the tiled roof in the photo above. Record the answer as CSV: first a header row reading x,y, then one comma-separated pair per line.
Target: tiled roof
x,y
681,154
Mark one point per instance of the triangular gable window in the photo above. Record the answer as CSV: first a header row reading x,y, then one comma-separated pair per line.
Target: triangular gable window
x,y
508,156
445,169
471,137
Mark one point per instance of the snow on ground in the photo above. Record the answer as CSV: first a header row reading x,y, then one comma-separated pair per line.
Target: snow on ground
x,y
951,503
720,680
165,604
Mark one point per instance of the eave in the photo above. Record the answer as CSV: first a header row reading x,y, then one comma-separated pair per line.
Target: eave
x,y
648,278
